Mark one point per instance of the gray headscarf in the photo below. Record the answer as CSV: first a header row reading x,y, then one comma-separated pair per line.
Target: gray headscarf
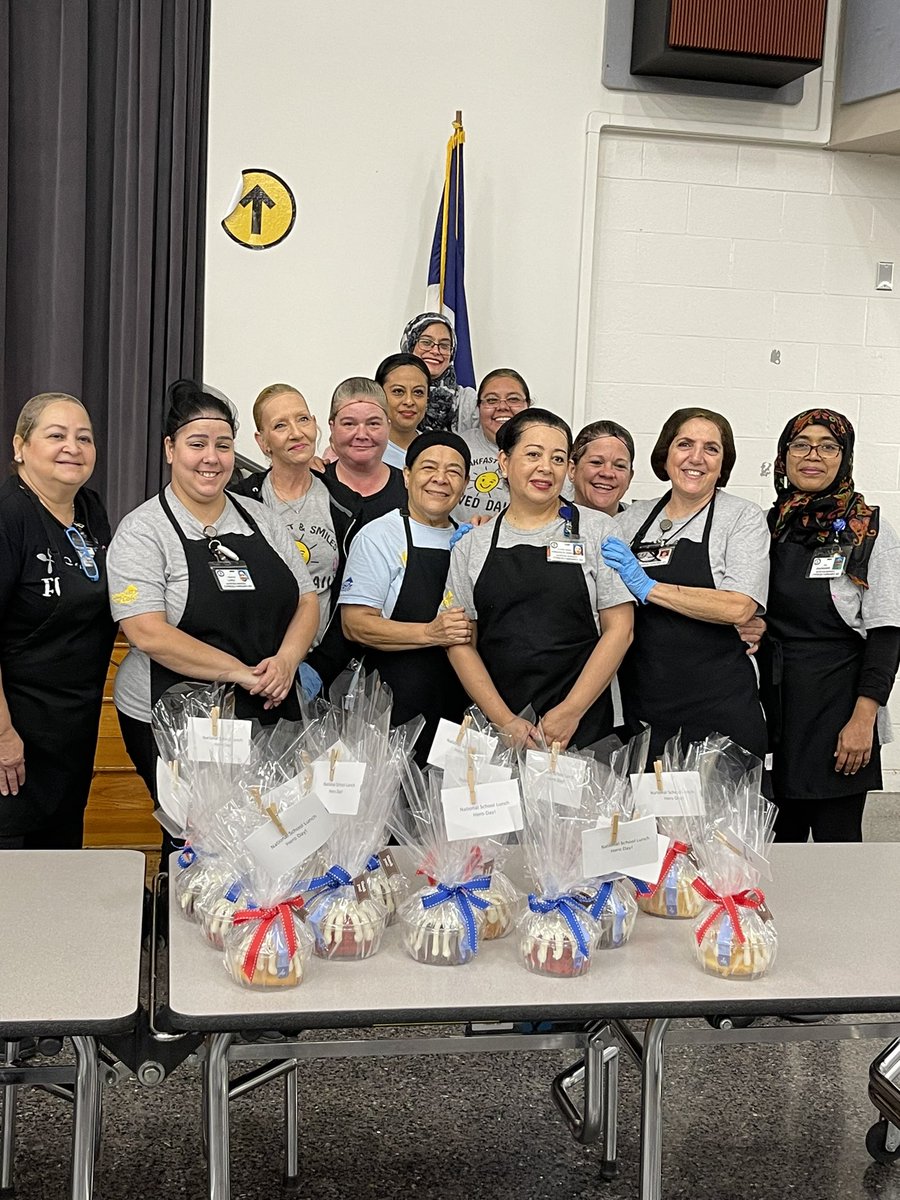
x,y
442,401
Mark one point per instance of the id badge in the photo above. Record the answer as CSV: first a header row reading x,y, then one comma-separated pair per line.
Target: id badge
x,y
827,563
652,554
232,577
570,550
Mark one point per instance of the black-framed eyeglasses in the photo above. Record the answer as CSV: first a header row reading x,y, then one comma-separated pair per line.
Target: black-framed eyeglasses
x,y
84,551
803,449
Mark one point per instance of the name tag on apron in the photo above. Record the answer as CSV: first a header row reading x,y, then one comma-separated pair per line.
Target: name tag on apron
x,y
571,551
232,577
827,563
652,554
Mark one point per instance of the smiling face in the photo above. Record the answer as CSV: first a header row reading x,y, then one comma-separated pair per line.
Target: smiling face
x,y
602,475
536,466
58,455
359,434
436,482
407,396
694,461
288,430
201,455
434,347
813,470
501,399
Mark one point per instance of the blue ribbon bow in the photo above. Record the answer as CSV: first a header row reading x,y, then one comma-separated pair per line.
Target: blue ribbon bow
x,y
186,857
374,863
334,877
569,906
640,886
464,896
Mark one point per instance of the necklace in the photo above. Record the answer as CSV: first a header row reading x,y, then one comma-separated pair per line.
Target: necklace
x,y
667,524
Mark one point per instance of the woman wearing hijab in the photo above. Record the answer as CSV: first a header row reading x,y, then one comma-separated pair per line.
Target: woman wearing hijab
x,y
550,623
834,632
430,337
395,583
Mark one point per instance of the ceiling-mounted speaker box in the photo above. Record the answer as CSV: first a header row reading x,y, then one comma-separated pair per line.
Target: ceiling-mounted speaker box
x,y
766,43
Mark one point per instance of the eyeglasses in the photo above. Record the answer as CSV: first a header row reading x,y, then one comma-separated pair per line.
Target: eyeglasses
x,y
428,343
514,403
84,551
824,450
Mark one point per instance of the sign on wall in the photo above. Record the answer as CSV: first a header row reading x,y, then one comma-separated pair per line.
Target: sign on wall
x,y
265,211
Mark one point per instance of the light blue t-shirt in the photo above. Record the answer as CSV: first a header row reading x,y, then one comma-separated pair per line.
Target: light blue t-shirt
x,y
394,456
376,563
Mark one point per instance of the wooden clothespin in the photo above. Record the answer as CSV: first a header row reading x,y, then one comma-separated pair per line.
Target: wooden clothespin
x,y
466,722
174,768
256,797
272,814
332,762
214,720
554,755
658,772
470,777
614,829
720,837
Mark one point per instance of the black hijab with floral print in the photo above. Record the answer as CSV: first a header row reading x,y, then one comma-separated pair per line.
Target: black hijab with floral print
x,y
810,516
442,392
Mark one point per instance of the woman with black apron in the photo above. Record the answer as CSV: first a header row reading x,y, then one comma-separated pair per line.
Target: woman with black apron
x,y
834,633
540,598
395,585
206,587
56,633
695,560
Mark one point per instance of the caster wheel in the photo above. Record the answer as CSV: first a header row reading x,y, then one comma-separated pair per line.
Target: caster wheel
x,y
731,1022
876,1144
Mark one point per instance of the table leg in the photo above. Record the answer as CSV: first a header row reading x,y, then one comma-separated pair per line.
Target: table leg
x,y
86,1116
10,1104
651,1109
291,1130
217,1134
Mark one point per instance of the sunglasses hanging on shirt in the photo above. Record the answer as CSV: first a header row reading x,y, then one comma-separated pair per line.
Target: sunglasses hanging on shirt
x,y
85,551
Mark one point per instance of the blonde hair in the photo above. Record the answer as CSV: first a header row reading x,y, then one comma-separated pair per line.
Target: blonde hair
x,y
269,393
32,409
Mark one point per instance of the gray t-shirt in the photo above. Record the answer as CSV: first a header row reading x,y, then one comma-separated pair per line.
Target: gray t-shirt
x,y
738,541
468,556
486,492
148,572
308,520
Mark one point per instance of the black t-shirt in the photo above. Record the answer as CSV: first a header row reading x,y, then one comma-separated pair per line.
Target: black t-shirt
x,y
366,508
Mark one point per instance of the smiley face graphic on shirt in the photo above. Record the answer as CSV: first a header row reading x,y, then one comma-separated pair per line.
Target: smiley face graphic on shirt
x,y
303,548
486,481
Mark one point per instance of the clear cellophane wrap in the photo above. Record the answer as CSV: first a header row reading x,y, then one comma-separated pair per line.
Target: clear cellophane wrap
x,y
559,930
735,936
447,922
674,896
351,901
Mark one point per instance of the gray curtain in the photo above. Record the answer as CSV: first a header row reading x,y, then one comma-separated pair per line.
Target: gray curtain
x,y
103,141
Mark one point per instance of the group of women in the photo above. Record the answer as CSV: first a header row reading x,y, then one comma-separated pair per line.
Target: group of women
x,y
468,548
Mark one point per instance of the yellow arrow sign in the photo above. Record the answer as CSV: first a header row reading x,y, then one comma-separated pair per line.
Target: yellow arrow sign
x,y
265,213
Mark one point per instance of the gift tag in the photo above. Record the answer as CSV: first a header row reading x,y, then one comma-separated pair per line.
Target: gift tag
x,y
565,780
229,744
282,796
497,809
388,862
654,554
681,793
638,850
307,824
339,785
450,734
456,771
827,563
232,577
569,551
756,860
169,794
361,887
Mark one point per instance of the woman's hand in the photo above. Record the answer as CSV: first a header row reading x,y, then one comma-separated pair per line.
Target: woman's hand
x,y
621,558
451,627
751,632
559,725
520,734
854,744
12,762
274,679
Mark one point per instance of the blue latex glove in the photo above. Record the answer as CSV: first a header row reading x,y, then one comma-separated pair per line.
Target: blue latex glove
x,y
621,558
310,681
459,532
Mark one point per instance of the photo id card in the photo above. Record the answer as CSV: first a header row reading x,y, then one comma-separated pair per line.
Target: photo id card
x,y
232,577
827,563
570,550
652,554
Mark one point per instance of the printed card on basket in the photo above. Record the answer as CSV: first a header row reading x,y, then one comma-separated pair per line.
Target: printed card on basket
x,y
681,793
230,743
566,776
638,850
497,809
307,824
448,734
169,795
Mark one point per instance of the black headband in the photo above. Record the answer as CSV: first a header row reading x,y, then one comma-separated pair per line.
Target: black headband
x,y
437,437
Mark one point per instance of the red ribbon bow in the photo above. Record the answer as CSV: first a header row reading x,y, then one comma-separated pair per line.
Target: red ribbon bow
x,y
749,898
672,853
267,917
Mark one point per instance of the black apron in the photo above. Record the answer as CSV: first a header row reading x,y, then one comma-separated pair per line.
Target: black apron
x,y
249,625
422,680
687,674
53,680
815,664
536,631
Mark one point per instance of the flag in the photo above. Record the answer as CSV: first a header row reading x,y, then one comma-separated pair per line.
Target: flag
x,y
446,291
